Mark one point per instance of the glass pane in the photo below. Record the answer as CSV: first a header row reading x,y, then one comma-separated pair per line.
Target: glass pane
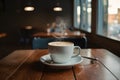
x,y
76,13
109,19
82,14
114,19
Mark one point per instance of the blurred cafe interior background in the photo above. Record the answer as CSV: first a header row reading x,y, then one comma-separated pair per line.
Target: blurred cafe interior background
x,y
24,24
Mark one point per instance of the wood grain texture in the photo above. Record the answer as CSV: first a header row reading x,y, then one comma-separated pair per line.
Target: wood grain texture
x,y
111,61
31,69
11,63
92,72
52,74
88,71
26,65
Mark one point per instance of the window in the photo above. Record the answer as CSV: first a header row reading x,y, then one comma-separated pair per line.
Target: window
x,y
109,19
82,14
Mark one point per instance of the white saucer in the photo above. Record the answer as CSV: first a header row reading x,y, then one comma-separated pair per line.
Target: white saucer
x,y
46,59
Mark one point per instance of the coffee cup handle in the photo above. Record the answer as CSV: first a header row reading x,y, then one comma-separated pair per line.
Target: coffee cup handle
x,y
78,52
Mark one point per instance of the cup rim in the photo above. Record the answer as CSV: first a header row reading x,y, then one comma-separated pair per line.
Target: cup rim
x,y
50,43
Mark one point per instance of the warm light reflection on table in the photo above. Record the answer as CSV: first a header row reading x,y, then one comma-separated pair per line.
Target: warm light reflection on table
x,y
3,35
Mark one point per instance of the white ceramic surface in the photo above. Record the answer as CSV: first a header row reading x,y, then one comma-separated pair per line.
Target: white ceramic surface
x,y
61,51
46,59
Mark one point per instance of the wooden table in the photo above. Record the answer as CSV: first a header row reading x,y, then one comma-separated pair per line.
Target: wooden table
x,y
25,65
54,35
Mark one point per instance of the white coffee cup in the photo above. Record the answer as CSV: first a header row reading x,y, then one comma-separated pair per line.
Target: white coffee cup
x,y
61,51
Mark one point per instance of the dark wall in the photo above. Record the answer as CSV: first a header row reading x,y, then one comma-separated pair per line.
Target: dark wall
x,y
13,17
96,41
